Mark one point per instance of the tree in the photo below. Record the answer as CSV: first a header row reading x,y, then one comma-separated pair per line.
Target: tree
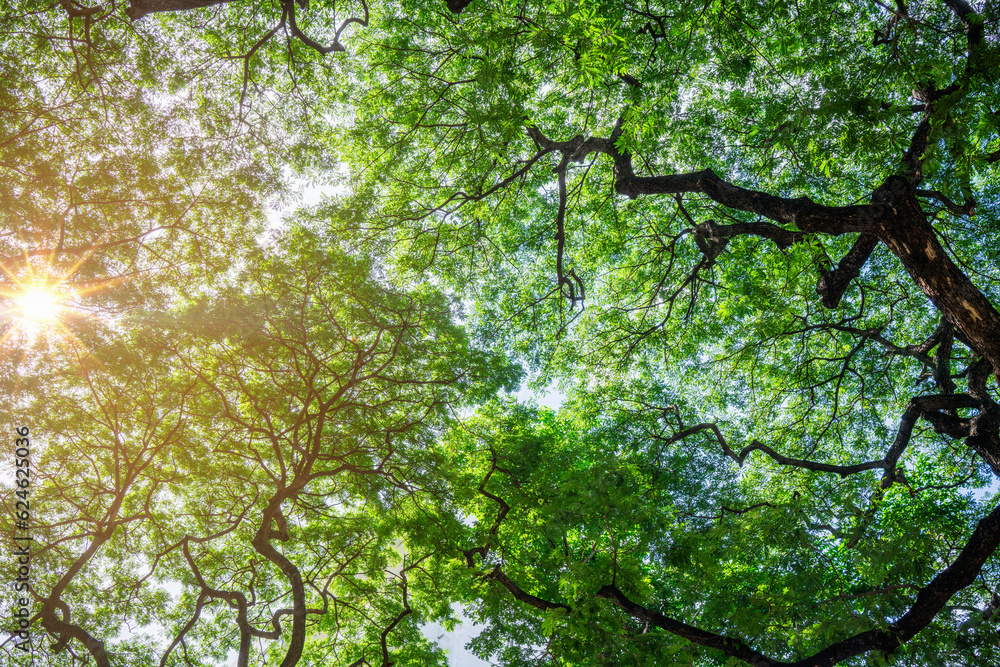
x,y
118,169
775,325
791,272
247,468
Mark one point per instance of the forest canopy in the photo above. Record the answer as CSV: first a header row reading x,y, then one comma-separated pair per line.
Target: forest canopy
x,y
273,273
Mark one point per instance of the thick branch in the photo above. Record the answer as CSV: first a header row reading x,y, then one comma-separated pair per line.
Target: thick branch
x,y
930,600
484,550
521,595
289,6
262,544
984,429
934,339
961,573
140,8
783,238
202,597
952,207
61,626
234,598
909,235
894,217
456,6
942,361
565,285
802,212
80,11
834,283
913,160
966,14
94,646
731,647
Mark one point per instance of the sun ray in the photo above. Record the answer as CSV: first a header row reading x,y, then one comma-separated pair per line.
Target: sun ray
x,y
45,302
38,307
40,304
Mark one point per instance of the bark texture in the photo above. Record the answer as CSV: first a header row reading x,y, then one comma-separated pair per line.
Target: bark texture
x,y
901,224
456,6
140,8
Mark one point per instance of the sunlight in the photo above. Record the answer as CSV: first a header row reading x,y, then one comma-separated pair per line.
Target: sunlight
x,y
44,304
39,304
38,308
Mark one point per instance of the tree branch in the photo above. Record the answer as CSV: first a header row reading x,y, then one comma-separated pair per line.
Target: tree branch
x,y
456,6
496,574
984,431
137,9
961,573
834,283
802,212
929,601
918,406
968,209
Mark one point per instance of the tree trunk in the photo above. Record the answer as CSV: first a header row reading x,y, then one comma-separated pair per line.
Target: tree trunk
x,y
905,230
139,8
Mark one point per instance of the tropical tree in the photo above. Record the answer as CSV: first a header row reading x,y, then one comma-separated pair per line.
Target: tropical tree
x,y
730,231
248,472
118,170
751,242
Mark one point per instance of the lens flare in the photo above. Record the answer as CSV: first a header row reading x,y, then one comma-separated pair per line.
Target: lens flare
x,y
37,309
43,305
39,304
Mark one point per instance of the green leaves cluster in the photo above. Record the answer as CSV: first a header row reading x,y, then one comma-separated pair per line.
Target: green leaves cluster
x,y
286,436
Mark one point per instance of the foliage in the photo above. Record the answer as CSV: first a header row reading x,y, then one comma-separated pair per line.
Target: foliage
x,y
299,400
114,164
751,243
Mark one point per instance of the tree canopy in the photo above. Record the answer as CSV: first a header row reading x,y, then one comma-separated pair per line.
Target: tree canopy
x,y
753,245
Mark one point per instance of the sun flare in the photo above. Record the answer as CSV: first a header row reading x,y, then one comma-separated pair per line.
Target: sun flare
x,y
42,304
39,304
38,309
